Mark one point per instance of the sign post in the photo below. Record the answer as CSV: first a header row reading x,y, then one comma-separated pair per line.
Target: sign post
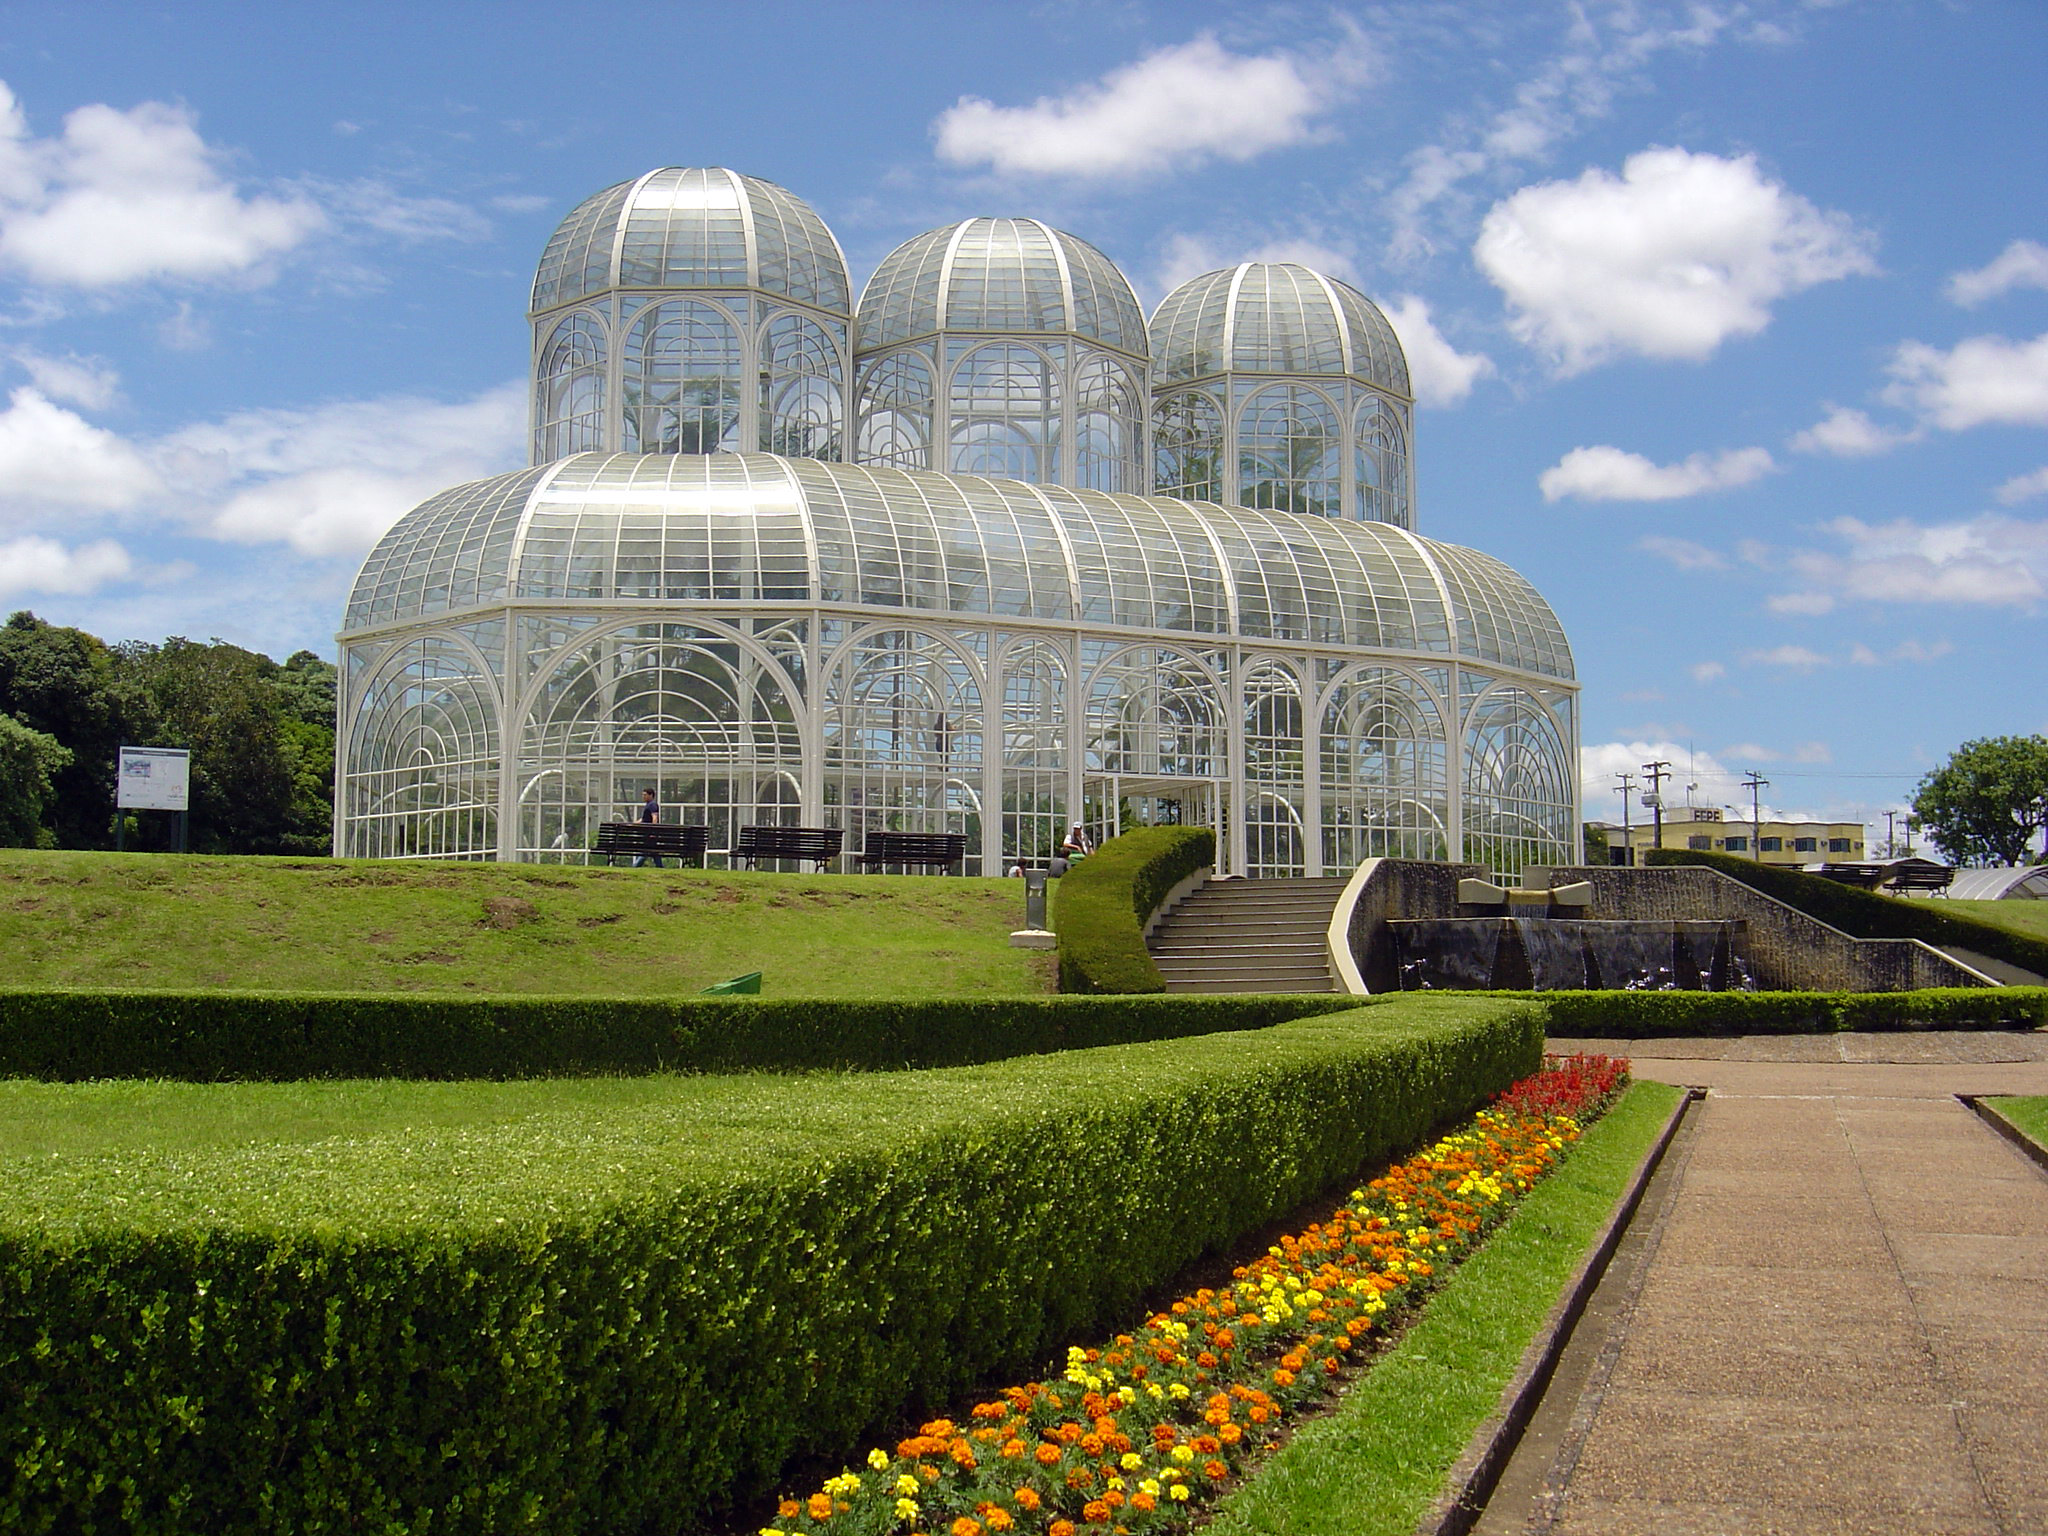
x,y
152,779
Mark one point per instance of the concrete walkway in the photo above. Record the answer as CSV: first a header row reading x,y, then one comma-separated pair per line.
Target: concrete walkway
x,y
1836,1314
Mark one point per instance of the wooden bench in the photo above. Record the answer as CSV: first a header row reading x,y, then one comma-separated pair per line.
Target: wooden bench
x,y
944,850
820,845
1935,880
651,840
1865,877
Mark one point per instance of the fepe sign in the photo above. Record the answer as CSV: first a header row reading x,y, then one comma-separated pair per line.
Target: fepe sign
x,y
153,779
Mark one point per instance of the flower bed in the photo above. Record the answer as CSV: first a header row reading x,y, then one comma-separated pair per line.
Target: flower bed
x,y
1146,1428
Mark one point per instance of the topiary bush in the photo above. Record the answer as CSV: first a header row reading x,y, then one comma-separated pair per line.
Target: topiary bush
x,y
1105,899
1866,914
277,1037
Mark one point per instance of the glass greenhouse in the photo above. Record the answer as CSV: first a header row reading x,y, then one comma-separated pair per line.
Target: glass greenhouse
x,y
936,601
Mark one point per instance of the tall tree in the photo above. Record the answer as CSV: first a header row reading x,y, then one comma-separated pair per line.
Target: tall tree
x,y
67,684
29,764
1988,801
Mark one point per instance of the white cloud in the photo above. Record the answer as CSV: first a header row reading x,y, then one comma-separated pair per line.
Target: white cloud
x,y
1683,553
1807,605
1609,474
1980,381
54,458
1187,256
331,480
2024,487
1849,434
1676,255
36,564
124,197
1812,752
2023,264
1708,672
1988,561
1712,781
1441,373
1178,106
378,206
1797,657
1917,651
74,380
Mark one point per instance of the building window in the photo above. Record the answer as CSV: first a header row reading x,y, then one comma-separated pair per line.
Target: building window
x,y
681,380
1109,427
1187,444
1738,845
570,414
1288,452
1805,845
1382,466
801,406
1699,842
1838,845
1770,844
1005,415
896,412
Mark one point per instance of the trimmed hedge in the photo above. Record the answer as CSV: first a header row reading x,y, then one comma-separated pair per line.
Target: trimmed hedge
x,y
1105,899
589,1324
1866,914
1649,1015
278,1037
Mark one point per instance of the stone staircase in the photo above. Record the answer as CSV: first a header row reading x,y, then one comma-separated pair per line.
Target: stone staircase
x,y
1249,936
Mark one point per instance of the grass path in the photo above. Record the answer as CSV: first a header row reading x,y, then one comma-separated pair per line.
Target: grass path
x,y
1372,1467
2028,1115
161,920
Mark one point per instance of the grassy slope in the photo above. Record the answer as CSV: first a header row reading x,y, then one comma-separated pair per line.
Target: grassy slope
x,y
2029,1114
2027,917
159,920
371,1154
1375,1464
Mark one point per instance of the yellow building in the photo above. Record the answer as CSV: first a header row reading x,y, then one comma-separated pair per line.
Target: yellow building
x,y
1710,829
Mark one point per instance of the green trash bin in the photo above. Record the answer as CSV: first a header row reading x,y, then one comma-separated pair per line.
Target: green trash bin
x,y
751,982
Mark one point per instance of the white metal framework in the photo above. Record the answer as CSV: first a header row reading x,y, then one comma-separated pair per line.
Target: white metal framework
x,y
691,311
1004,347
765,639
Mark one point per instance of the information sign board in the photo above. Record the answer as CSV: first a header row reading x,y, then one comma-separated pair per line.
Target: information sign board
x,y
154,779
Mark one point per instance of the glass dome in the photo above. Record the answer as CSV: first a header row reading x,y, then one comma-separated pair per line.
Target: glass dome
x,y
1274,317
693,227
1000,276
755,528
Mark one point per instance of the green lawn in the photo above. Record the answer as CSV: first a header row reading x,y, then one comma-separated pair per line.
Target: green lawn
x,y
1373,1466
160,920
2029,1114
2027,917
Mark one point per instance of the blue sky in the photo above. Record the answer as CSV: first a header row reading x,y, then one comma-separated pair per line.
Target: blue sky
x,y
1730,319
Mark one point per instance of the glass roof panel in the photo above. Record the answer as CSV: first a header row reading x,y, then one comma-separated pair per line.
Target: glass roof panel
x,y
1274,317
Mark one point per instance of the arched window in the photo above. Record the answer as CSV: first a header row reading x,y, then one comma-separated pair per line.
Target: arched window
x,y
1382,449
1005,414
1385,789
422,773
1109,426
1518,782
1187,437
802,403
681,381
1288,452
569,408
896,412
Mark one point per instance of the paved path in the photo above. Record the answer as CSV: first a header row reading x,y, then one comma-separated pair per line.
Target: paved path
x,y
1838,1319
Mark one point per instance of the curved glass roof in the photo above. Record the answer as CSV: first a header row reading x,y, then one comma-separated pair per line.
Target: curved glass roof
x,y
1001,275
693,227
758,528
1274,317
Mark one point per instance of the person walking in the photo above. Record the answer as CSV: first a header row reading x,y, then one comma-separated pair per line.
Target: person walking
x,y
650,813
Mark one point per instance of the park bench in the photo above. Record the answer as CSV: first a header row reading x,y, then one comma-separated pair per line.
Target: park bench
x,y
942,849
820,845
650,840
1935,879
1865,877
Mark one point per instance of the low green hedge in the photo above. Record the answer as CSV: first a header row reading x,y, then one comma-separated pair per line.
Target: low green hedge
x,y
1866,914
627,1319
1105,899
1647,1015
276,1037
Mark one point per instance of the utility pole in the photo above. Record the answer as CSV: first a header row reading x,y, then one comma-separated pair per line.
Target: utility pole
x,y
1628,842
1891,835
1756,783
1657,773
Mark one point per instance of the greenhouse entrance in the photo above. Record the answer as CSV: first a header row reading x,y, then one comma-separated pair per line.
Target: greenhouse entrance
x,y
1114,803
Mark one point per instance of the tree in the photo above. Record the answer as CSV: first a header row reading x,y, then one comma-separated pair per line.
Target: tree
x,y
29,764
67,684
1987,802
1596,842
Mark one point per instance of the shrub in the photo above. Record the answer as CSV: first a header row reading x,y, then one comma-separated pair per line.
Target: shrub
x,y
1645,1015
1105,899
1867,915
225,1036
625,1319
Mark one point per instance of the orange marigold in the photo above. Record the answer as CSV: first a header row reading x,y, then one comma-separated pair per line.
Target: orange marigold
x,y
1012,1449
1060,1528
1144,1501
1027,1498
1000,1520
820,1506
966,1527
1216,1469
1047,1454
938,1428
1095,1512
